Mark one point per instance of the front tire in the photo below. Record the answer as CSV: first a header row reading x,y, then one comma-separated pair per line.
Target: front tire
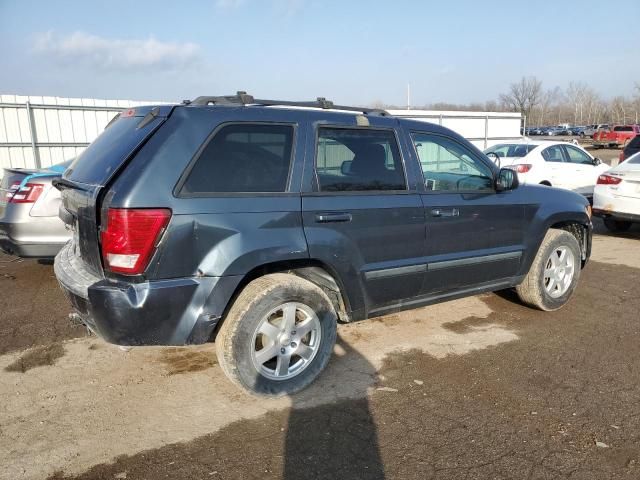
x,y
616,226
278,335
554,273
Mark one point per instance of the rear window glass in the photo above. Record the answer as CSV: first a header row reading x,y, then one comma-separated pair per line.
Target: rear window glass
x,y
634,159
510,150
104,156
243,158
358,160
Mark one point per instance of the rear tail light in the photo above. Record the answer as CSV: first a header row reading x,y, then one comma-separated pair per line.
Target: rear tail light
x,y
131,236
522,168
605,179
27,193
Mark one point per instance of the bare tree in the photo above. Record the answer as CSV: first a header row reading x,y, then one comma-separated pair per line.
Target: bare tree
x,y
577,94
619,109
523,96
547,100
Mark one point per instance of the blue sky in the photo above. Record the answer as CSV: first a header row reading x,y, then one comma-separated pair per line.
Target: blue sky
x,y
350,51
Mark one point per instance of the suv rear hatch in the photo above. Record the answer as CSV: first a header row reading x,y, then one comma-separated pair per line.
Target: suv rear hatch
x,y
85,181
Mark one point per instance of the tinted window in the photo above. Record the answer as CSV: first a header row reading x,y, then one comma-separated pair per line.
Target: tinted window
x,y
358,159
578,156
553,154
243,158
108,152
635,142
450,166
623,129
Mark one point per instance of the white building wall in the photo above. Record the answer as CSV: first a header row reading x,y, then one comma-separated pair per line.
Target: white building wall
x,y
60,128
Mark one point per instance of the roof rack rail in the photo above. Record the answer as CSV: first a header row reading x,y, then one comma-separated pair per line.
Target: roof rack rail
x,y
243,98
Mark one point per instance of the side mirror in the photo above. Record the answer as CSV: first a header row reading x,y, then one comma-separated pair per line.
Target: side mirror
x,y
494,157
596,161
345,168
507,179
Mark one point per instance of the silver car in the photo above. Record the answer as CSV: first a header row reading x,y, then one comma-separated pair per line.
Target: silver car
x,y
29,223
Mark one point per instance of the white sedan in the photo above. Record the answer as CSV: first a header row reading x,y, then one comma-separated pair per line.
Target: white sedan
x,y
556,164
616,197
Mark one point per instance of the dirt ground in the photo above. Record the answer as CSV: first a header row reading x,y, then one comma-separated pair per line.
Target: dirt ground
x,y
476,388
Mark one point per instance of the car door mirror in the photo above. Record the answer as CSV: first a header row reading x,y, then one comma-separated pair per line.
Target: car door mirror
x,y
345,168
507,179
596,161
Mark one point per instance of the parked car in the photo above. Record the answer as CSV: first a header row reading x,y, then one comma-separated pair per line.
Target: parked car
x,y
546,162
552,131
564,131
616,198
262,227
632,148
29,222
618,136
590,130
579,131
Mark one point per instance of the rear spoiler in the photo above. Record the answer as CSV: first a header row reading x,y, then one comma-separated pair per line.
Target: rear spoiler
x,y
54,171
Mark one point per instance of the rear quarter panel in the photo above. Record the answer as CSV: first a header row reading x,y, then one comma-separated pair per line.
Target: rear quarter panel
x,y
220,234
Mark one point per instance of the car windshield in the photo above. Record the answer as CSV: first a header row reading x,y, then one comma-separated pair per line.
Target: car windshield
x,y
510,149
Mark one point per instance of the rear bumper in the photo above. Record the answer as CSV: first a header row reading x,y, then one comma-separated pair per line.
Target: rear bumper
x,y
28,250
163,312
32,237
622,216
608,142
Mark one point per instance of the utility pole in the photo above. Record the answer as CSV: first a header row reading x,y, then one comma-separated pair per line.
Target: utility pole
x,y
408,96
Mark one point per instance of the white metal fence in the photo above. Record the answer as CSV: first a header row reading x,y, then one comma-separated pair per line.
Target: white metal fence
x,y
41,131
483,129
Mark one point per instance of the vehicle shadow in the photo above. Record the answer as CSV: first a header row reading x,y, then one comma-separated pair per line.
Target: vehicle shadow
x,y
337,439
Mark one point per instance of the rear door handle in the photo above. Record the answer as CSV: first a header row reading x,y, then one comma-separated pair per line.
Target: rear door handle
x,y
441,212
333,217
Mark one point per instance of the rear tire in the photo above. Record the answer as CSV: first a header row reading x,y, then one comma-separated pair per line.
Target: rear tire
x,y
616,226
278,335
554,273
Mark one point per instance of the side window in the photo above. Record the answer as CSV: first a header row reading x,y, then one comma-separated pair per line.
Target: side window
x,y
357,160
553,154
243,158
575,155
449,166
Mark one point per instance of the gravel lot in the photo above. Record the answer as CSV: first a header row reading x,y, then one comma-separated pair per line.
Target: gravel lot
x,y
481,387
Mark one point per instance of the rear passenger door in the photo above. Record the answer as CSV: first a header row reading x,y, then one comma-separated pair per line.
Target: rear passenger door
x,y
360,218
474,234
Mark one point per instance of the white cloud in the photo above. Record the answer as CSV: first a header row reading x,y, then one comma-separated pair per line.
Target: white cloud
x,y
116,54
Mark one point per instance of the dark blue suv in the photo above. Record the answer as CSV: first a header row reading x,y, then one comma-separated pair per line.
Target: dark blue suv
x,y
259,224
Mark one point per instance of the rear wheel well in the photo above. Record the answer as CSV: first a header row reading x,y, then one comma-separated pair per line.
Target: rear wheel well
x,y
312,270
